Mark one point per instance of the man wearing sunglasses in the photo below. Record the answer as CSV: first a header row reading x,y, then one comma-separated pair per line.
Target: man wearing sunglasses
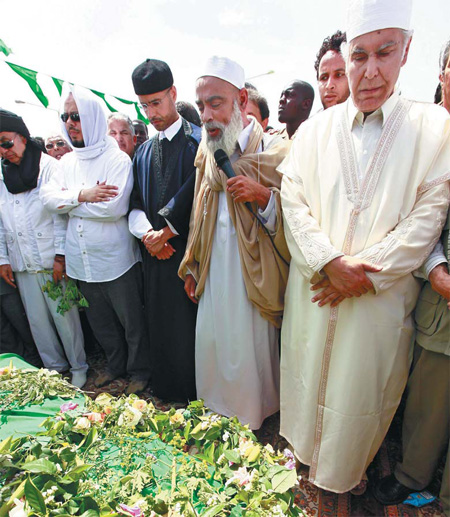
x,y
32,240
160,208
56,146
94,190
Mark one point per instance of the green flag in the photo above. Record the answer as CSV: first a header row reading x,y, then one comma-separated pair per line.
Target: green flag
x,y
30,78
4,48
59,84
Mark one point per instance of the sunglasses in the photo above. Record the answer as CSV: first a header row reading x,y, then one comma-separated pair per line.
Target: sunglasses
x,y
7,144
59,143
74,116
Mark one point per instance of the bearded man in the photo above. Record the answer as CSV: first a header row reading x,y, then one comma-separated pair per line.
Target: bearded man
x,y
230,264
94,190
365,194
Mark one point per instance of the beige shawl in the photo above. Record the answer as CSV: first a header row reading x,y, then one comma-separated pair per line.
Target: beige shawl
x,y
265,274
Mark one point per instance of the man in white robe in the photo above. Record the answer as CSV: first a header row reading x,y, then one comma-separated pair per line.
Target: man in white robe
x,y
237,363
364,194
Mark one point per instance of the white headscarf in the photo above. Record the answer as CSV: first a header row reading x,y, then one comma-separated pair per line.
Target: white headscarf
x,y
365,16
93,123
225,69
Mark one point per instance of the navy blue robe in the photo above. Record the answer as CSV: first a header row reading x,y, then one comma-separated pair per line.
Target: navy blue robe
x,y
164,183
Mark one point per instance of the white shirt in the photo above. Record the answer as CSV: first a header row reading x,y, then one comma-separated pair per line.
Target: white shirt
x,y
138,222
366,133
99,246
30,236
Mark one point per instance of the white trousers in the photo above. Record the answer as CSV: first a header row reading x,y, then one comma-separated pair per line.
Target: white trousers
x,y
47,324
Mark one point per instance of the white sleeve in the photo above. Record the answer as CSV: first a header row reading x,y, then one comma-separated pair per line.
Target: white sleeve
x,y
138,224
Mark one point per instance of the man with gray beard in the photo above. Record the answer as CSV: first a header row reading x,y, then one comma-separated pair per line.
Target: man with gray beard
x,y
232,268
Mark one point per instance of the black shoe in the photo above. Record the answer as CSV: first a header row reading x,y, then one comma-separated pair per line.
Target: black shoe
x,y
390,491
103,379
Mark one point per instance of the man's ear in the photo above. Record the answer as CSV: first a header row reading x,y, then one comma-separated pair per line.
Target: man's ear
x,y
173,93
243,99
307,103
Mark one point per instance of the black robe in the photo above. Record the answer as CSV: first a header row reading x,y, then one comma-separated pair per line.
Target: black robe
x,y
164,180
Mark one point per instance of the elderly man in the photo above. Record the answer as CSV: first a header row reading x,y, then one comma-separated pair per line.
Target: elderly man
x,y
294,106
330,70
365,195
57,146
94,189
230,264
426,423
32,240
141,132
121,129
160,206
257,107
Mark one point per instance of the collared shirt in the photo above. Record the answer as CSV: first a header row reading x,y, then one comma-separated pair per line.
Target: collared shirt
x,y
171,131
30,236
99,246
366,132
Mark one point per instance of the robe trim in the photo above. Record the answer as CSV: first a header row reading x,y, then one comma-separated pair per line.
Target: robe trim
x,y
361,199
434,183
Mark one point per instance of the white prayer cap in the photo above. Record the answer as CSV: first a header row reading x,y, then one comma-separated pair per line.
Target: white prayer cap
x,y
365,16
225,69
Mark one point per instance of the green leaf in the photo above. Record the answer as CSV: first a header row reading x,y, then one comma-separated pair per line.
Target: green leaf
x,y
35,498
90,513
232,456
214,510
5,444
75,474
284,480
41,466
90,438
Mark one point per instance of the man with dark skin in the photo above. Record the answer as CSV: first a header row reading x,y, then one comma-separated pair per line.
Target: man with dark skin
x,y
295,105
141,132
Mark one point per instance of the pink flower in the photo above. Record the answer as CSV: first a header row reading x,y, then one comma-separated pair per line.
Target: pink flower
x,y
242,476
68,406
290,463
95,417
131,510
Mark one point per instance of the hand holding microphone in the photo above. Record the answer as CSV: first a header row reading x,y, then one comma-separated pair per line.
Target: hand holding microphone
x,y
242,189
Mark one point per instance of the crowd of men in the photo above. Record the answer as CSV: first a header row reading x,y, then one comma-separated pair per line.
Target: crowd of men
x,y
195,247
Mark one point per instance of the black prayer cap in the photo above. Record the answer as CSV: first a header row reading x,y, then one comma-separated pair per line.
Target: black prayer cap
x,y
9,121
151,76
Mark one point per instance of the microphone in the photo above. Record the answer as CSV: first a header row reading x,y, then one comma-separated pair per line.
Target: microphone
x,y
224,163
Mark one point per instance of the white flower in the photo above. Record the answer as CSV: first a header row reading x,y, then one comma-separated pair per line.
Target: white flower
x,y
225,436
18,509
130,417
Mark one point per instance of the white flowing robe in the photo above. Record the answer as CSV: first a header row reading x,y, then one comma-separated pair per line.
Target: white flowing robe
x,y
343,370
237,359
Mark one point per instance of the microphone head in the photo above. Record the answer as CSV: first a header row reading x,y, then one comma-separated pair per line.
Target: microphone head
x,y
221,157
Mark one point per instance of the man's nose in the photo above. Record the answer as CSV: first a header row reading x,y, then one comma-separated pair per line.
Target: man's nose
x,y
330,84
206,115
371,67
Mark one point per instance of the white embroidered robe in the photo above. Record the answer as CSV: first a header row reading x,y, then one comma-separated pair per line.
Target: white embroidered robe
x,y
343,370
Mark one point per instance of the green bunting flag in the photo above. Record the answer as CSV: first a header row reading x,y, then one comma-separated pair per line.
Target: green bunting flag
x,y
4,48
30,78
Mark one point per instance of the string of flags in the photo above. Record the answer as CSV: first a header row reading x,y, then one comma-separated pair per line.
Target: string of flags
x,y
30,76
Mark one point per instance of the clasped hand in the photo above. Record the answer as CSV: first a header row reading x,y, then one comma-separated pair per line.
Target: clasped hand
x,y
155,242
345,277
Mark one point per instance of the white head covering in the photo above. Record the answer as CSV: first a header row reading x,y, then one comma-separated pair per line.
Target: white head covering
x,y
365,16
225,69
93,122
